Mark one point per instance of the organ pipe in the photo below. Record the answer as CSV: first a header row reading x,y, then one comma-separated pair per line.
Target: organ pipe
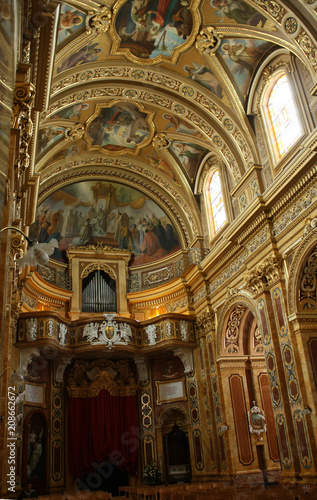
x,y
98,295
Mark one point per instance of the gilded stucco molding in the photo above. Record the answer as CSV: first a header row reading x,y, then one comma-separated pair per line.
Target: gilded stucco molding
x,y
159,301
98,22
208,41
87,380
161,142
98,266
309,48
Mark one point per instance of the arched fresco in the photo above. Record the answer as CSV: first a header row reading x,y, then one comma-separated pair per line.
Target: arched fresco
x,y
116,215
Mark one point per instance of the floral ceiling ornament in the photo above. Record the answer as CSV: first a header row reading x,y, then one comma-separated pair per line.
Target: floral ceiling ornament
x,y
257,424
208,41
108,332
99,21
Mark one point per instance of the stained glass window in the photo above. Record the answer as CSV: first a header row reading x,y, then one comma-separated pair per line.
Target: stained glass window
x,y
216,203
284,119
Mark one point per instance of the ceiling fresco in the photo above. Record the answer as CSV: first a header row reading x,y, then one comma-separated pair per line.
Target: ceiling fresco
x,y
143,94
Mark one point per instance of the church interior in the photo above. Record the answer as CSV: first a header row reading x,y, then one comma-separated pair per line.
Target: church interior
x,y
158,287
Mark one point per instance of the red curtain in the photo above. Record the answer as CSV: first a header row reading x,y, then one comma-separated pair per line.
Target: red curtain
x,y
103,428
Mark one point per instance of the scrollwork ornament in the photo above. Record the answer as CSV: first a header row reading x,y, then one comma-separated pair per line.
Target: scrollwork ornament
x,y
308,47
161,142
311,224
208,40
98,22
76,132
272,8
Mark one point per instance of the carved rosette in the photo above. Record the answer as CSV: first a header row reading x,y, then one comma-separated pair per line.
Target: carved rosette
x,y
208,41
265,274
98,22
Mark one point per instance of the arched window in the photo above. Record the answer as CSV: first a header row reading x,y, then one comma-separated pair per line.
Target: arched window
x,y
284,124
216,206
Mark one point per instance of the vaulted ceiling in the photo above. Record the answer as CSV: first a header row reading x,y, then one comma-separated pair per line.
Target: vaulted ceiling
x,y
143,92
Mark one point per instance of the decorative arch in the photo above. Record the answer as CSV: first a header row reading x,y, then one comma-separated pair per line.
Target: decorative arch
x,y
166,412
236,314
100,267
305,250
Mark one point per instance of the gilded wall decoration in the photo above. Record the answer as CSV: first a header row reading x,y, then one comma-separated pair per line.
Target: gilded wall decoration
x,y
307,293
233,328
283,440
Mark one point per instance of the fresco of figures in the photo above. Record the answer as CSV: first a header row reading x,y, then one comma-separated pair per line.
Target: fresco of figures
x,y
240,12
87,54
150,28
119,216
189,154
47,137
201,74
120,126
242,56
70,20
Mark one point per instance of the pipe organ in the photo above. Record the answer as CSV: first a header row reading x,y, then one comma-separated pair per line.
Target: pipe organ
x,y
99,293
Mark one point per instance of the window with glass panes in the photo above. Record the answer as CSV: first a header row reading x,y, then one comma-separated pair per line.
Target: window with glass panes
x,y
216,203
285,124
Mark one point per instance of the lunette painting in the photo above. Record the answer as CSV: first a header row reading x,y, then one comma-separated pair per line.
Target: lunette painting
x,y
114,214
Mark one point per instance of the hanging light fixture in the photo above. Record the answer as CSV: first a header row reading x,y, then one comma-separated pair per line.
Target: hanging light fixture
x,y
37,253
